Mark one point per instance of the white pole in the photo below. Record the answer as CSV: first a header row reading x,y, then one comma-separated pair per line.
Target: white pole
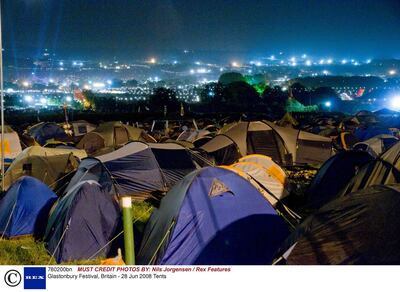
x,y
2,104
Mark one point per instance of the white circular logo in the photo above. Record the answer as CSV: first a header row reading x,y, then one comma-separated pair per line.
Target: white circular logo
x,y
12,278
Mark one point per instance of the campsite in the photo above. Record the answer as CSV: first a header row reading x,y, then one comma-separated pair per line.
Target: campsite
x,y
315,188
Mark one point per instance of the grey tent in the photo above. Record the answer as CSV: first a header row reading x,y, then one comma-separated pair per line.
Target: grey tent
x,y
358,228
376,145
283,145
385,169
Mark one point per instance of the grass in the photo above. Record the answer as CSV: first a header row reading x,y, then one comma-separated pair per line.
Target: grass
x,y
27,251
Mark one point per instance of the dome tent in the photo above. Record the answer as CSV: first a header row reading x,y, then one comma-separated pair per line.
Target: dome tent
x,y
138,169
384,170
25,207
82,222
110,136
214,216
376,145
358,228
45,132
264,179
283,145
12,145
327,184
49,165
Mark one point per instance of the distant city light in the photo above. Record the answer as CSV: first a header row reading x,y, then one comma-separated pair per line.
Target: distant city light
x,y
68,98
395,102
202,70
197,63
191,71
235,64
9,90
308,63
28,98
61,63
368,61
329,61
43,100
325,72
109,82
258,63
25,84
392,72
272,57
344,61
322,61
51,80
328,104
152,60
304,56
284,88
293,59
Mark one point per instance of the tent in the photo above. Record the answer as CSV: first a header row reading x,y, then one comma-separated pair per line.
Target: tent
x,y
376,145
363,134
82,222
192,135
359,228
81,127
139,168
283,145
212,217
12,145
45,132
25,207
91,169
110,136
385,169
49,165
271,166
333,175
268,180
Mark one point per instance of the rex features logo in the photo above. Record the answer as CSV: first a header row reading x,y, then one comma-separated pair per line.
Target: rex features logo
x,y
12,278
34,278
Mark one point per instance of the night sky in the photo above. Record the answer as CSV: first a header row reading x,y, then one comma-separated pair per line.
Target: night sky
x,y
339,28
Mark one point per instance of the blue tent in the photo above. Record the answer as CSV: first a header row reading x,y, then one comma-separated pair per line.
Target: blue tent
x,y
141,168
213,216
25,207
83,221
46,131
363,134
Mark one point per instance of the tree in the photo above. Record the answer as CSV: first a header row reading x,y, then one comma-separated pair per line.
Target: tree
x,y
323,94
163,97
131,83
240,94
230,77
212,93
275,99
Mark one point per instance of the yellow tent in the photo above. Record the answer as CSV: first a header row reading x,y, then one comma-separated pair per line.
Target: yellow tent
x,y
49,165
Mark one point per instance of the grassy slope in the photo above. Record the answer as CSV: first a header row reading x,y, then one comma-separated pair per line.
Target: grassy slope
x,y
27,251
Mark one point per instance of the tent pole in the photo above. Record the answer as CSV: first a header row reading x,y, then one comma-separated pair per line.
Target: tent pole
x,y
126,204
2,104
